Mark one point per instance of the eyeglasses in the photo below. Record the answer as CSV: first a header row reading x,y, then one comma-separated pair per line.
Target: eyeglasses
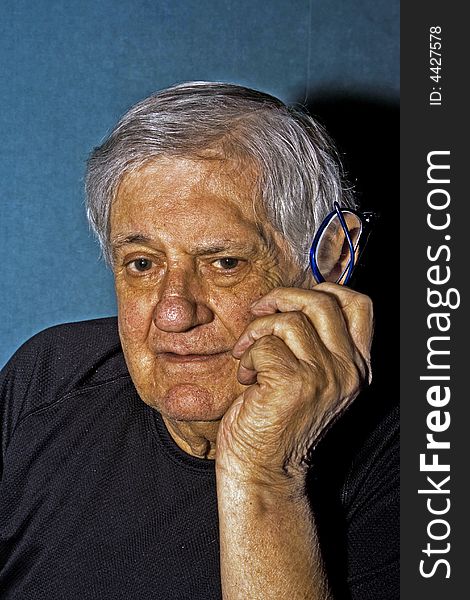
x,y
339,243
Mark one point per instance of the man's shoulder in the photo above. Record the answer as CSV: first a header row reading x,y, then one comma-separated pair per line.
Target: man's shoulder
x,y
94,336
73,343
354,489
363,440
61,360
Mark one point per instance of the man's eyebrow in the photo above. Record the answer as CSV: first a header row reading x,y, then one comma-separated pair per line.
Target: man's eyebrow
x,y
133,238
221,246
212,247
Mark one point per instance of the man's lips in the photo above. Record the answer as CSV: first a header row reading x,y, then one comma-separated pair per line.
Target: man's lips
x,y
175,357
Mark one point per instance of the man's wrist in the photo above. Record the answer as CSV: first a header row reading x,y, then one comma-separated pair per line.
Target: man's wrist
x,y
267,487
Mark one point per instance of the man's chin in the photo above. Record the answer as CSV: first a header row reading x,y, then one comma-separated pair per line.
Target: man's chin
x,y
191,402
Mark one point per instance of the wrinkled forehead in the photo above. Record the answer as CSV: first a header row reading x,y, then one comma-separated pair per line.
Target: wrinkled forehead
x,y
206,182
207,196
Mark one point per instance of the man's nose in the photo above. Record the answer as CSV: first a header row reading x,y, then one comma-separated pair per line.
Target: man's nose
x,y
181,305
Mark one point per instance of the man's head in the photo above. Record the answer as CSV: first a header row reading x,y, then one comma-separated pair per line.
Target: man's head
x,y
204,197
298,173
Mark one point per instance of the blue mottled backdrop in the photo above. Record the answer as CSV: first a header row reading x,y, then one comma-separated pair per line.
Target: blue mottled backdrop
x,y
68,70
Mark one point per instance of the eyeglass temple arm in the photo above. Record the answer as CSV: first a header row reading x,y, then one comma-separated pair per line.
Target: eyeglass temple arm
x,y
350,242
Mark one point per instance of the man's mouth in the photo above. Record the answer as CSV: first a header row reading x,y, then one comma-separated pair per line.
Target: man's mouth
x,y
174,357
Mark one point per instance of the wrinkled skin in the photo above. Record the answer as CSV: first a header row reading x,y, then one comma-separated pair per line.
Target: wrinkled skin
x,y
211,325
304,358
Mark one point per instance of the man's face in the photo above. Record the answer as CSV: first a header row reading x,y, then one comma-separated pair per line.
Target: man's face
x,y
189,261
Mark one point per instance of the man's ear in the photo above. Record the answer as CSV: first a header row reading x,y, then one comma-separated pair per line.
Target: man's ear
x,y
333,252
307,281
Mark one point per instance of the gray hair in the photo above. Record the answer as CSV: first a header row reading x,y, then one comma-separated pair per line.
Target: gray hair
x,y
300,172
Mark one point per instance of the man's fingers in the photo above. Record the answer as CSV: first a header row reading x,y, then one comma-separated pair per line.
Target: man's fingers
x,y
358,313
330,307
266,361
293,328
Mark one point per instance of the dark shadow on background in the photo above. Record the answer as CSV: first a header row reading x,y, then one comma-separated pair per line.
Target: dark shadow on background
x,y
366,131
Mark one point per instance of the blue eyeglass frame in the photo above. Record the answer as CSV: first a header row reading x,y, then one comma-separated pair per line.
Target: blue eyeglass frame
x,y
367,220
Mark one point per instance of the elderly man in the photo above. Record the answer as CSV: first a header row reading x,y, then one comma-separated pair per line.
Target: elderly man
x,y
177,453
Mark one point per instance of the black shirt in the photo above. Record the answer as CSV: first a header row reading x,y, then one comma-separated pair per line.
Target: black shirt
x,y
97,501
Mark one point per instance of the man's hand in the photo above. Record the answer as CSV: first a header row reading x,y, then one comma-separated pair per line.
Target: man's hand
x,y
305,357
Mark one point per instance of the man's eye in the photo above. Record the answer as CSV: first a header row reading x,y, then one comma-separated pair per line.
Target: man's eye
x,y
227,263
141,264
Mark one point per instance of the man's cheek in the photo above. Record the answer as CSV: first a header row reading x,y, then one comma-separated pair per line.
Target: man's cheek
x,y
234,312
135,317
